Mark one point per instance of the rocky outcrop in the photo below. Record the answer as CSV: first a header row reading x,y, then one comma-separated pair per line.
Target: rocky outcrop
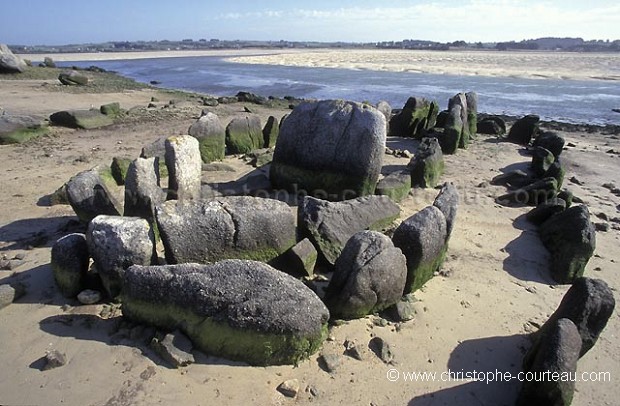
x,y
207,231
427,164
570,238
70,260
329,225
84,119
9,62
422,238
184,167
211,136
116,243
244,135
369,276
331,149
415,119
240,310
89,196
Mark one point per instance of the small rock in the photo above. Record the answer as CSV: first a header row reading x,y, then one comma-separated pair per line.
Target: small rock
x,y
54,359
609,186
404,310
289,388
602,216
21,256
89,296
329,362
382,349
604,227
352,350
576,181
8,294
175,348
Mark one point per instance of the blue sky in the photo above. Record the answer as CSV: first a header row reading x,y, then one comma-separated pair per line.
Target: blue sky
x,y
47,22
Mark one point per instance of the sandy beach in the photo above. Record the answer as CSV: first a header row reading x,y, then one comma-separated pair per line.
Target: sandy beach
x,y
495,286
530,64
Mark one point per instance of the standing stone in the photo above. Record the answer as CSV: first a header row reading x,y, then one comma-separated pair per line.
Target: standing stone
x,y
551,141
492,125
385,109
9,62
450,139
205,231
557,172
116,243
240,310
570,238
524,129
427,164
448,202
472,112
70,260
460,100
557,352
396,185
271,132
244,134
184,167
369,276
211,136
142,190
542,159
118,169
330,225
331,149
416,118
90,197
589,303
422,238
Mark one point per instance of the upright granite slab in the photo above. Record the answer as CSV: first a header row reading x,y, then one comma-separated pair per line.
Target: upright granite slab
x,y
89,196
240,310
184,167
211,136
330,149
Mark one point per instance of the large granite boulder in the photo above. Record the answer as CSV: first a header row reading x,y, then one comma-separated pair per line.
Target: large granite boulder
x,y
556,354
331,149
89,196
142,190
9,62
551,141
396,185
589,303
244,134
415,119
116,243
184,167
70,260
15,129
240,310
524,129
84,119
369,276
570,238
427,164
211,136
241,227
422,238
329,225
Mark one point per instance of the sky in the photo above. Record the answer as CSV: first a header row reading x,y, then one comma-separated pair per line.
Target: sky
x,y
59,22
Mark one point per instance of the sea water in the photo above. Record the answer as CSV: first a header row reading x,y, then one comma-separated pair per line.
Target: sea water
x,y
571,101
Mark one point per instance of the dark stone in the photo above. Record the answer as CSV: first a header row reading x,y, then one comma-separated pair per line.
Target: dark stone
x,y
331,149
589,303
513,179
174,348
207,231
442,117
240,310
422,238
472,112
555,353
551,141
556,171
460,100
492,125
450,139
116,243
244,134
381,349
542,160
271,132
73,78
248,97
448,202
369,276
416,117
396,185
211,136
90,197
70,260
545,210
111,109
118,169
570,238
524,129
84,119
54,359
427,165
532,194
330,225
251,185
567,196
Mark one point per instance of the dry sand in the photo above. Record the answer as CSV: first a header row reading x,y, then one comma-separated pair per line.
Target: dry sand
x,y
496,285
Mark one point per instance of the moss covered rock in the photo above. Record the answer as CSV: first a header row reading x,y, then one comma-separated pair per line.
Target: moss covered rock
x,y
524,129
427,165
244,134
240,310
532,194
85,119
417,117
450,139
118,169
211,136
73,78
542,159
472,112
17,129
396,185
422,238
111,109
